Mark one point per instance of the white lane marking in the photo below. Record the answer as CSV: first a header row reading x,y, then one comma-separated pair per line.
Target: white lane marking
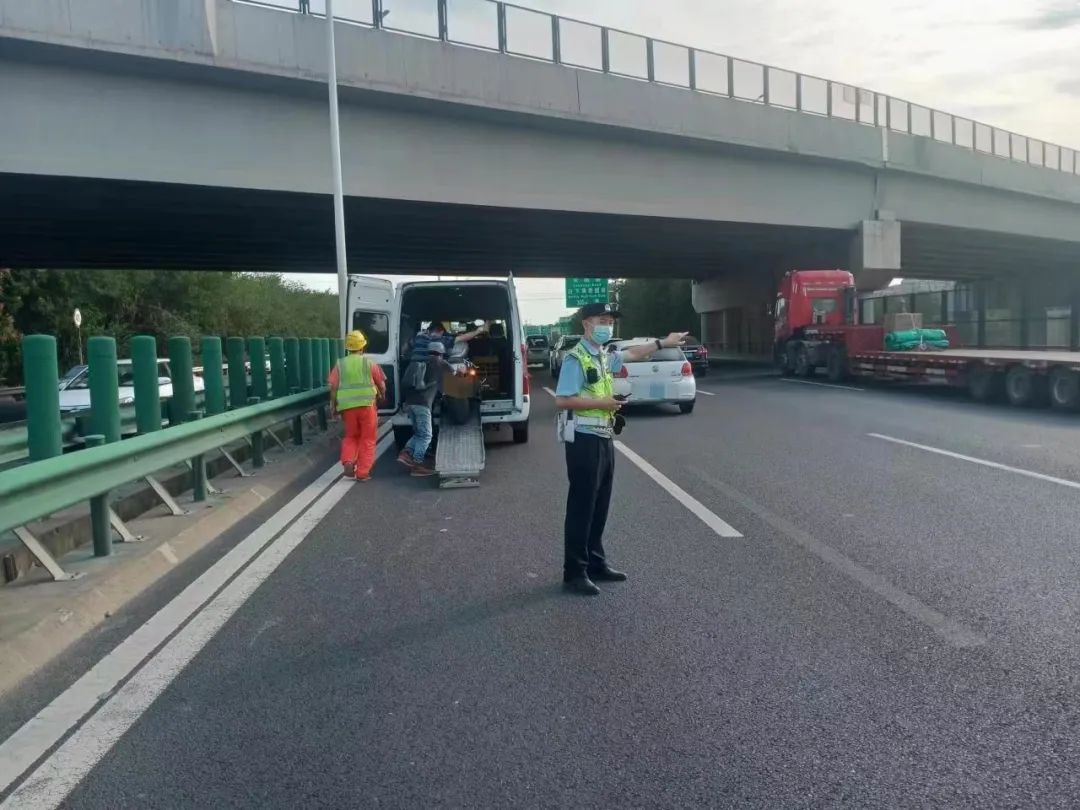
x,y
48,726
55,778
706,393
950,630
167,552
550,391
821,384
1064,482
41,732
695,506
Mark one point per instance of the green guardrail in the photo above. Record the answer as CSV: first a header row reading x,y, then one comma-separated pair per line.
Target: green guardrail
x,y
47,486
74,426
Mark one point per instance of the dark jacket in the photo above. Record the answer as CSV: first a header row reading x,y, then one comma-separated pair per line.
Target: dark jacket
x,y
434,368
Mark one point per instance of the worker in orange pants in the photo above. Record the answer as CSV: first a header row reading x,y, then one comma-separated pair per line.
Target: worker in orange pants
x,y
356,386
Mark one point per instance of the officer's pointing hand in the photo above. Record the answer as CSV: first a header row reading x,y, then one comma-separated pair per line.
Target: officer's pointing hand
x,y
674,339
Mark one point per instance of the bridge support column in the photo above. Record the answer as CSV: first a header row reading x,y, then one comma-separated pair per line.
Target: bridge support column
x,y
875,257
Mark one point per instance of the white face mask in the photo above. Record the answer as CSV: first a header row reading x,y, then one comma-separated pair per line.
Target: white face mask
x,y
601,333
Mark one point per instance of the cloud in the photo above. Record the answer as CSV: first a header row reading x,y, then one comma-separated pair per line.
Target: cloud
x,y
1054,17
1070,87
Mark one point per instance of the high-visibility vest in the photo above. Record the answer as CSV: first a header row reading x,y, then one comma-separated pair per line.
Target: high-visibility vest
x,y
603,388
356,388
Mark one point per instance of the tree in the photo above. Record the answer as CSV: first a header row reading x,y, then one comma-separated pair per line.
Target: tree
x,y
162,303
655,306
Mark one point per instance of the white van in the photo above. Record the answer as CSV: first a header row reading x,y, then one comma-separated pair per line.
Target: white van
x,y
390,317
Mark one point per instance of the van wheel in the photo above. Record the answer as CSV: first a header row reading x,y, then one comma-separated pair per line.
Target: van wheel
x,y
985,385
687,407
521,433
402,434
1024,388
1065,389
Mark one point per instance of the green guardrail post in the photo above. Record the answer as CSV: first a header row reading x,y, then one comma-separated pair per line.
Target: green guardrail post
x,y
339,345
99,504
276,348
214,396
258,458
292,365
306,375
104,388
297,424
257,356
144,369
198,467
234,350
183,383
324,354
43,434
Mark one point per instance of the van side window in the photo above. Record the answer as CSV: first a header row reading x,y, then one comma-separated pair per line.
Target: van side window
x,y
376,327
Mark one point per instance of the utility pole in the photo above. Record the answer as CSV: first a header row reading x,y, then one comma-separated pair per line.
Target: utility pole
x,y
335,159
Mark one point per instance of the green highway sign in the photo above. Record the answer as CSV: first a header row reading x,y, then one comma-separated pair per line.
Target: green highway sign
x,y
581,291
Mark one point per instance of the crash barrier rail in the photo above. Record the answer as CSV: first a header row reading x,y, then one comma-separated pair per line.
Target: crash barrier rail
x,y
524,32
53,481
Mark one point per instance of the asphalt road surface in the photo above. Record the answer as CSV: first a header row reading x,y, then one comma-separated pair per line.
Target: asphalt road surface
x,y
838,597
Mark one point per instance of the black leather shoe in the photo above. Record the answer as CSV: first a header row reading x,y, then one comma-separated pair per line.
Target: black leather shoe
x,y
582,586
607,575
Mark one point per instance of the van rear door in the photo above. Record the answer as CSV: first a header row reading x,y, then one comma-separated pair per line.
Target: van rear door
x,y
516,337
372,311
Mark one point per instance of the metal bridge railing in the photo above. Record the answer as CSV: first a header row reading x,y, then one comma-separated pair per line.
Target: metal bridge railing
x,y
524,32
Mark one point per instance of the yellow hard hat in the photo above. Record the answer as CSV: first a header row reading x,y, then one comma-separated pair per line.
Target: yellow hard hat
x,y
355,341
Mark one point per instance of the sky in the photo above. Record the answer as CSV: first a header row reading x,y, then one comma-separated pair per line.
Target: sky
x,y
1010,63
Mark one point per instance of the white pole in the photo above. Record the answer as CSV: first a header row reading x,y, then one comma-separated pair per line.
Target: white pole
x,y
335,159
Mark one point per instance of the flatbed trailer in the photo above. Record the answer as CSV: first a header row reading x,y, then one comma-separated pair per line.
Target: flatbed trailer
x,y
1025,378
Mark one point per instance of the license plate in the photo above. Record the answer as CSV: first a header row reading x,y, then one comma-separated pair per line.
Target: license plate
x,y
656,391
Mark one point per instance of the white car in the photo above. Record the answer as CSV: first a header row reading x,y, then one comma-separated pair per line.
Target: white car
x,y
75,385
667,376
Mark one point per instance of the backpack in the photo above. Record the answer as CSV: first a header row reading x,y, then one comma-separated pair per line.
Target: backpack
x,y
415,376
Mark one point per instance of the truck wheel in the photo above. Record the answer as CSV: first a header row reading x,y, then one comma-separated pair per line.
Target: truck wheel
x,y
521,433
1024,388
837,366
783,360
803,366
1065,389
984,384
402,434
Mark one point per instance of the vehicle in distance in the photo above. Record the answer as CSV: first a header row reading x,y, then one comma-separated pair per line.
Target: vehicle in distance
x,y
665,377
559,350
538,351
815,328
75,385
697,355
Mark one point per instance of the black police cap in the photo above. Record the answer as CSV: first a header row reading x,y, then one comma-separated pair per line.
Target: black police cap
x,y
592,310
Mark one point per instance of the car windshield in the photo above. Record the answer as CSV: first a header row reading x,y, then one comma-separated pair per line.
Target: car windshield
x,y
537,342
569,343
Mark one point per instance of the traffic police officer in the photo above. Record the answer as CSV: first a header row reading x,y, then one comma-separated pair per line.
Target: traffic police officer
x,y
585,392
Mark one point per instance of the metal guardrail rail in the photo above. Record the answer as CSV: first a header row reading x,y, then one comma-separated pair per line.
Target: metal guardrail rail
x,y
524,32
13,447
44,487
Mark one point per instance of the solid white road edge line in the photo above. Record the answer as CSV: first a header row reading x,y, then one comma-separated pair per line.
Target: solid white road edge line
x,y
706,393
55,778
695,506
821,384
549,390
35,737
1064,482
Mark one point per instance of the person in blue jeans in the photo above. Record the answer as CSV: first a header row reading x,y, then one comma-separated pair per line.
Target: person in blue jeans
x,y
418,403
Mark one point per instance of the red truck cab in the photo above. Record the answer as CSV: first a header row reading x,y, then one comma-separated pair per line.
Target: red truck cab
x,y
813,298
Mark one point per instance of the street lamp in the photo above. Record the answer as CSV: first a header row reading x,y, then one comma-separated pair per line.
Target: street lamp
x,y
335,160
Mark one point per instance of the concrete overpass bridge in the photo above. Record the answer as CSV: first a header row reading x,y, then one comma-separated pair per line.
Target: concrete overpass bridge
x,y
194,134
